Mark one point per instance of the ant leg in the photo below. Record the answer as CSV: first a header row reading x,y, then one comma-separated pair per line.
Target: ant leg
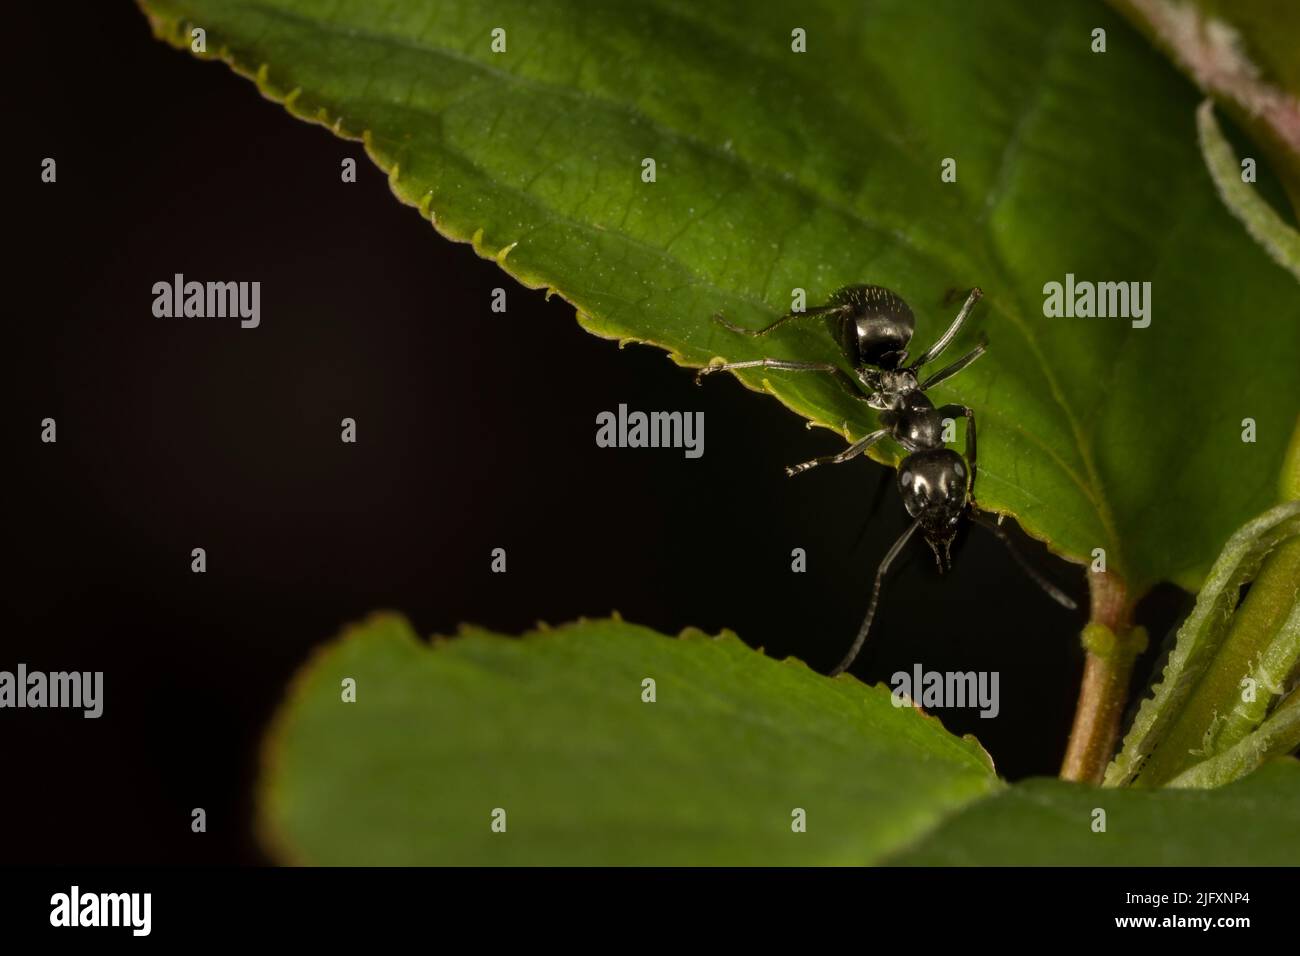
x,y
857,448
933,351
841,377
946,373
767,363
788,317
875,598
1050,589
950,411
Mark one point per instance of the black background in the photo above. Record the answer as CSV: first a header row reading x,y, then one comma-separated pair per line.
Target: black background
x,y
476,431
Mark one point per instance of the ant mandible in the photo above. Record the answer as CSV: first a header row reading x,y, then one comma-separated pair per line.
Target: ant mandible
x,y
873,328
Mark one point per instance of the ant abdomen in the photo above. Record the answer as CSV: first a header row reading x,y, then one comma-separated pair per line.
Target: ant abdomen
x,y
878,328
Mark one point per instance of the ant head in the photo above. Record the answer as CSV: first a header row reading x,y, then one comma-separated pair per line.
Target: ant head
x,y
935,488
877,328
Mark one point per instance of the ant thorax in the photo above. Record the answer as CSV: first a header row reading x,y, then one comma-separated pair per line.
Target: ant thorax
x,y
894,381
891,388
899,380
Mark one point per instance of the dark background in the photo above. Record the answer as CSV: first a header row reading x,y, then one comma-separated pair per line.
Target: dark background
x,y
476,431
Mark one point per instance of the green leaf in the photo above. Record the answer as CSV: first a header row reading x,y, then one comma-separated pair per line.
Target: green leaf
x,y
1289,480
553,729
1253,822
778,170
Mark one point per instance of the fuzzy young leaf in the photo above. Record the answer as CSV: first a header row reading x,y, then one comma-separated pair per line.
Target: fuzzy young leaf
x,y
1200,641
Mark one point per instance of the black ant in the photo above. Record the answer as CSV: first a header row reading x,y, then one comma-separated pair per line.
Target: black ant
x,y
873,327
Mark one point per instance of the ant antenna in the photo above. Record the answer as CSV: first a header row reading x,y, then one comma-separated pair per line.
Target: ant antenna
x,y
1050,589
934,350
788,317
875,598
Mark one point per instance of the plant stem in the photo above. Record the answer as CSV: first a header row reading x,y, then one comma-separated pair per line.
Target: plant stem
x,y
1112,645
